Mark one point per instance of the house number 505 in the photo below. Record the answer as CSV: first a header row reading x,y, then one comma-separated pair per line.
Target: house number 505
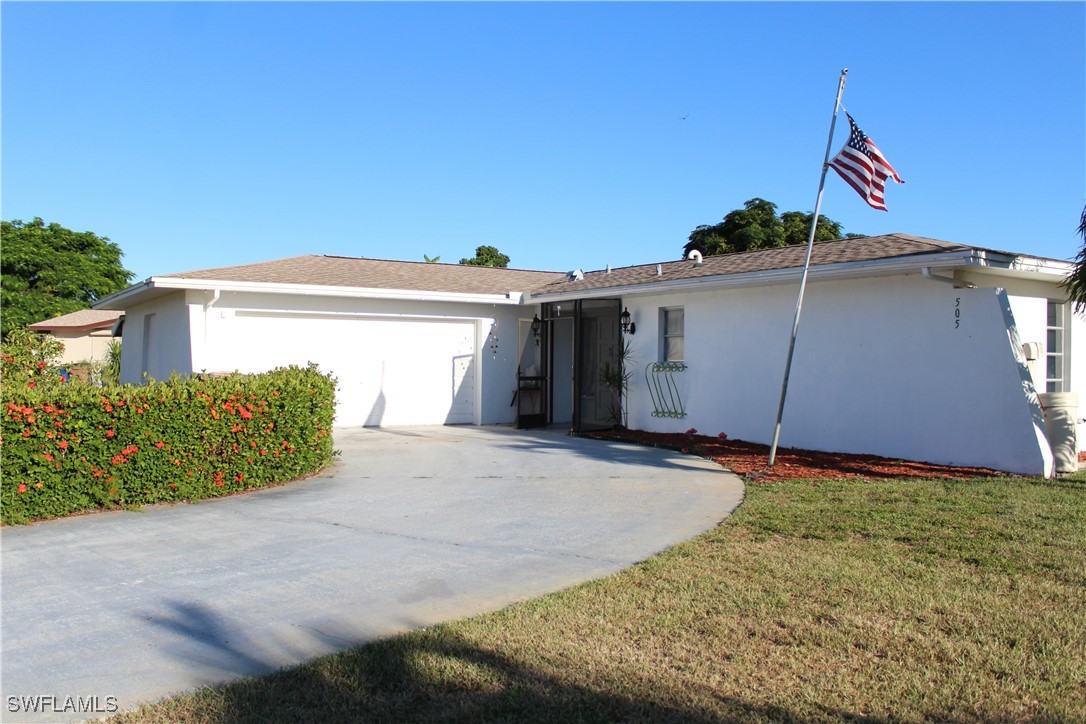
x,y
957,312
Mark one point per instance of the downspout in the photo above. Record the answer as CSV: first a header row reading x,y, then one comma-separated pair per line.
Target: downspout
x,y
926,272
215,295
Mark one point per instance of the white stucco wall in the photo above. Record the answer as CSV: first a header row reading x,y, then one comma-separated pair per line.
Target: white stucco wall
x,y
167,350
882,366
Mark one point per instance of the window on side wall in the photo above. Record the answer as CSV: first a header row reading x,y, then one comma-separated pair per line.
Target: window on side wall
x,y
1055,348
672,326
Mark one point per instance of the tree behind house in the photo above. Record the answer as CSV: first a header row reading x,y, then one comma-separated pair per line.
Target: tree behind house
x,y
487,256
48,270
757,226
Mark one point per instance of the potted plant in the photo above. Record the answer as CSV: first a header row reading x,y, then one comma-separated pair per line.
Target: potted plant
x,y
615,375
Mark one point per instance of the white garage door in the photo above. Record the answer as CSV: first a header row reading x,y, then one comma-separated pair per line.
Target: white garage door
x,y
390,372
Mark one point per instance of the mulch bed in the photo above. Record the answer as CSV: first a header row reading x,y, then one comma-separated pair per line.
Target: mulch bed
x,y
751,459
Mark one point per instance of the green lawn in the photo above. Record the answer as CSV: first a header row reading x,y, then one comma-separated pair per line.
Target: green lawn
x,y
895,600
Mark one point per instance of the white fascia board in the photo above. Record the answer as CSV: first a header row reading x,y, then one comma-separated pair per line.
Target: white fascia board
x,y
116,301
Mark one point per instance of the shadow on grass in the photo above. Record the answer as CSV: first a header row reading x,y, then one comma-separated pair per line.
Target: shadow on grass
x,y
429,675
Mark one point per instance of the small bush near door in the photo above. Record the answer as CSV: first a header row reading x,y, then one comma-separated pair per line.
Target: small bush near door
x,y
71,448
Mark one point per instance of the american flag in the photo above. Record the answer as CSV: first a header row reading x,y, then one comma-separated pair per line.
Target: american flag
x,y
863,167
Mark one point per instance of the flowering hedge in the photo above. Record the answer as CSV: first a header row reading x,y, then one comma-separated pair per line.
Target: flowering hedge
x,y
70,448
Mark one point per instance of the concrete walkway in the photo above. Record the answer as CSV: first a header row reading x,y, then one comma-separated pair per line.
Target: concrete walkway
x,y
411,527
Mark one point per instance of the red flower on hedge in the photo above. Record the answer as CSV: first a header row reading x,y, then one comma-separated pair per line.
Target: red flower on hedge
x,y
48,457
110,433
22,487
63,444
160,444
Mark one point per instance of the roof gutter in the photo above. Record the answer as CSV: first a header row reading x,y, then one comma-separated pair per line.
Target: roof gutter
x,y
118,299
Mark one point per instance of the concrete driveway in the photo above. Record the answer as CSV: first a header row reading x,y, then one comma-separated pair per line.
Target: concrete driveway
x,y
411,527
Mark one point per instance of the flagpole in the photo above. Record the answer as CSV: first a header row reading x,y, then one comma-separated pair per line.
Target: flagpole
x,y
806,266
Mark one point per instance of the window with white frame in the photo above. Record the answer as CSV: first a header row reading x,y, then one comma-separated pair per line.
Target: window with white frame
x,y
672,325
1055,348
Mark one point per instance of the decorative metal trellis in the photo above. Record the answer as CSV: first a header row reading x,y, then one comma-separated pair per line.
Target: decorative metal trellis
x,y
663,389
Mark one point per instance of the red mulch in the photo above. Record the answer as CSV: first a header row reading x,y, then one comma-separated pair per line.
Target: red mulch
x,y
751,459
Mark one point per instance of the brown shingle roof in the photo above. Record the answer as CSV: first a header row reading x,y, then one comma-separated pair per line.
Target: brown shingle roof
x,y
867,248
339,271
83,319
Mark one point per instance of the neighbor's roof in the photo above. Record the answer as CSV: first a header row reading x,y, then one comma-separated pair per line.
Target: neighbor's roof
x,y
84,319
340,271
858,249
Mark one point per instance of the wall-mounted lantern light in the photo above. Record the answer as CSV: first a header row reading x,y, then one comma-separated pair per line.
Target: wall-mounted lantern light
x,y
537,326
628,327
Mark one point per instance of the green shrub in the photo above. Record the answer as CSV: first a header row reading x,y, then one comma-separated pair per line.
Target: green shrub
x,y
70,448
111,370
30,360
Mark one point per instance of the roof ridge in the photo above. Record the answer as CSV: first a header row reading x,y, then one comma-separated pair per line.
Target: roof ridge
x,y
434,263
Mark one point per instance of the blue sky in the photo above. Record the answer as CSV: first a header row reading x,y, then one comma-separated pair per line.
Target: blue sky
x,y
568,135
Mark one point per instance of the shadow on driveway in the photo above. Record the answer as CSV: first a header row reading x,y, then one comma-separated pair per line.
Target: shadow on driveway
x,y
410,528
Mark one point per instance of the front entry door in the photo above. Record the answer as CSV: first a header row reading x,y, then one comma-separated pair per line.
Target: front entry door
x,y
598,341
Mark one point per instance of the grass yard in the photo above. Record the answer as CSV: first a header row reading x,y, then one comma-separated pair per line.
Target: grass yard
x,y
899,600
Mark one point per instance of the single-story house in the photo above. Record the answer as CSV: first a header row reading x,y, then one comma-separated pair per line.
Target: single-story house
x,y
908,347
86,334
